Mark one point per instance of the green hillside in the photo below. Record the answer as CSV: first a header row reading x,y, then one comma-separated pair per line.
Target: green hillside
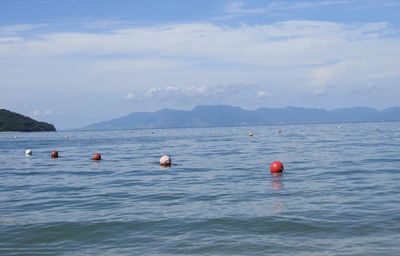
x,y
14,122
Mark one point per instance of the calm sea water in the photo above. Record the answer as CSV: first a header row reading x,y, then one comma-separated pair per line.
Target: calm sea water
x,y
340,194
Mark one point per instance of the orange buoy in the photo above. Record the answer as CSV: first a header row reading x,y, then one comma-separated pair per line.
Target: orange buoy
x,y
165,161
276,167
96,157
54,154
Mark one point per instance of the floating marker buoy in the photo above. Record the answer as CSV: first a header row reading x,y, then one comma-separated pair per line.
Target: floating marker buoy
x,y
28,152
165,161
214,132
339,127
250,134
15,137
66,137
54,154
276,167
279,131
96,157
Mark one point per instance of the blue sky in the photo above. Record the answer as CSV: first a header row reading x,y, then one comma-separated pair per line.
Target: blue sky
x,y
77,62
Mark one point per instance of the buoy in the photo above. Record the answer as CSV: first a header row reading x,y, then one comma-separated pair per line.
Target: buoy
x,y
279,131
250,134
96,157
66,137
15,137
28,152
214,132
339,127
276,167
165,161
54,154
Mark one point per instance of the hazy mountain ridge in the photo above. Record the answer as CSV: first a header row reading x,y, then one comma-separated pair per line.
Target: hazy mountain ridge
x,y
223,115
14,122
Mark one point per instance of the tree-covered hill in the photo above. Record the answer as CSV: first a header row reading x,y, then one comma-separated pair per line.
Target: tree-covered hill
x,y
14,122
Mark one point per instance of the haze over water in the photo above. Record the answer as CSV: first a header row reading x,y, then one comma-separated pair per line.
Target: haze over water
x,y
339,195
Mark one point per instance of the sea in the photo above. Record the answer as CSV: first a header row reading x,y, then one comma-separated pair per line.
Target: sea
x,y
339,193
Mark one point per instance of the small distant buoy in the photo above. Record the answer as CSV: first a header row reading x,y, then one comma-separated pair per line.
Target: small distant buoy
x,y
165,161
214,132
279,131
96,157
15,137
54,154
276,167
66,137
250,134
339,127
28,152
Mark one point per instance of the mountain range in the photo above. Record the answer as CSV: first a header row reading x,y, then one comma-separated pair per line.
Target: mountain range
x,y
224,115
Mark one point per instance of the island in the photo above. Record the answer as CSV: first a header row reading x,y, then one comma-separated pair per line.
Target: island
x,y
14,122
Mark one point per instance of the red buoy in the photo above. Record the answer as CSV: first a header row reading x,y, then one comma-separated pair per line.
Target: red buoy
x,y
276,167
96,157
54,154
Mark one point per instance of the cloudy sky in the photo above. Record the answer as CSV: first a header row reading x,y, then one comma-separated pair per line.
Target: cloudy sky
x,y
73,62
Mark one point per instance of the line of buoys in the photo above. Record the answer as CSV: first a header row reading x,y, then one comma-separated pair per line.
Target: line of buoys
x,y
275,167
165,161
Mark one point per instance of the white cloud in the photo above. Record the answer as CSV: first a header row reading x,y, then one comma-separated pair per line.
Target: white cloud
x,y
264,94
19,28
42,113
240,8
10,39
129,96
176,91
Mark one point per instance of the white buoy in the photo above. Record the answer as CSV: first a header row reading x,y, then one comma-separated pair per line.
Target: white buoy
x,y
250,134
66,137
339,127
165,161
214,132
28,152
15,137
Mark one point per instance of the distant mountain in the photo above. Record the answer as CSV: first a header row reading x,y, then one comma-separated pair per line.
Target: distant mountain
x,y
14,122
222,115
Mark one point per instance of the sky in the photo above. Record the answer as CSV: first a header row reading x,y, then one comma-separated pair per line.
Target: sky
x,y
74,63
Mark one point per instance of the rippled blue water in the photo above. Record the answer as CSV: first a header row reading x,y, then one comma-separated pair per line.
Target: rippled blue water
x,y
340,194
